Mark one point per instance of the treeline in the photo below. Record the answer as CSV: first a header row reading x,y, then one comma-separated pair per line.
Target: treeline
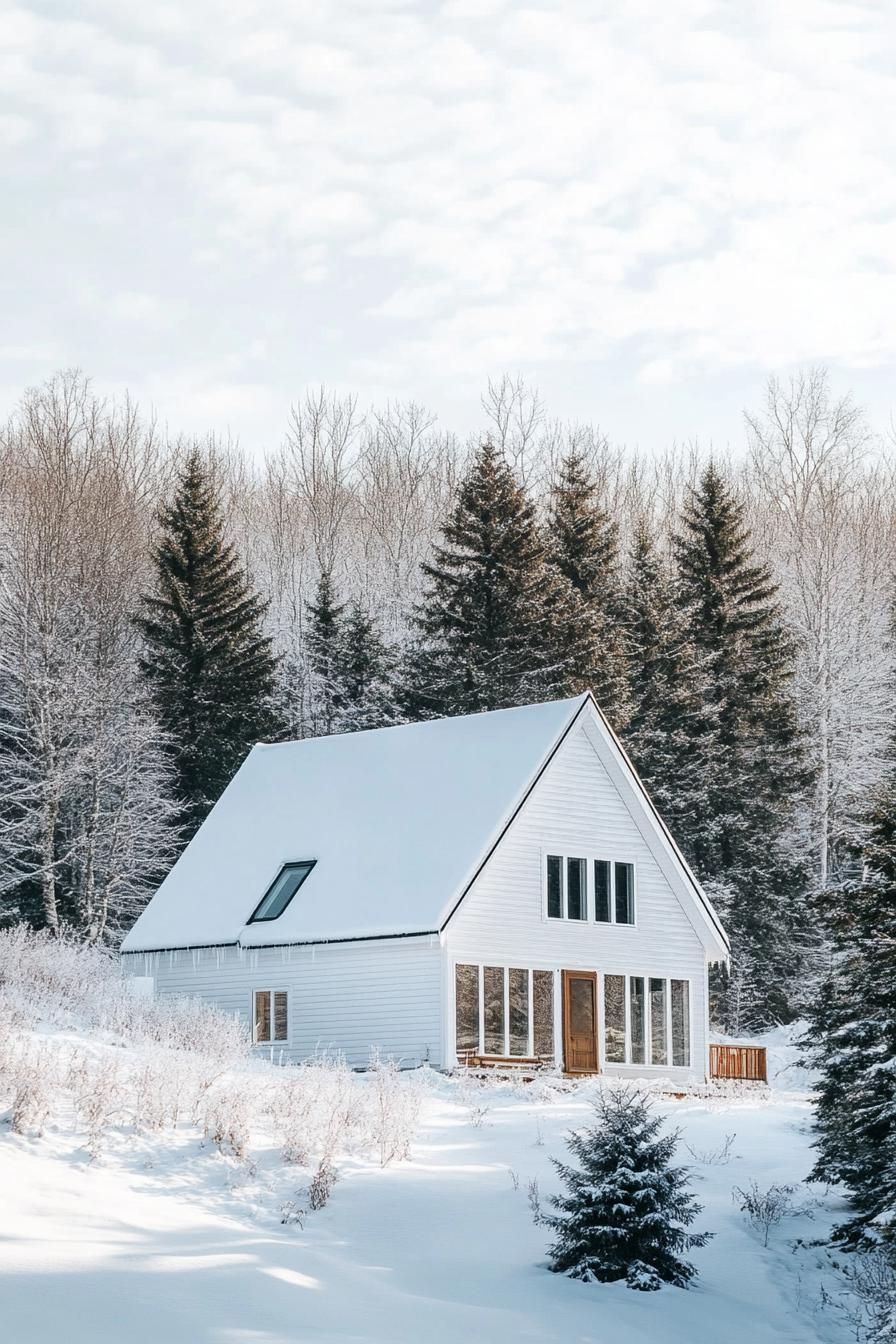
x,y
164,604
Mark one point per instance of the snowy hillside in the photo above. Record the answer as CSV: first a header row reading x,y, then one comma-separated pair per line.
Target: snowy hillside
x,y
160,1192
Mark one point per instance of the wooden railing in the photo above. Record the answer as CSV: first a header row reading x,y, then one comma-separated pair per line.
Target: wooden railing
x,y
746,1062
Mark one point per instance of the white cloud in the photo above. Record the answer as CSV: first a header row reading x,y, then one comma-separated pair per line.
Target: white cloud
x,y
457,188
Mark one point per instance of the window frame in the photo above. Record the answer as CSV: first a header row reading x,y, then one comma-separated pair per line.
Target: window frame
x,y
590,857
255,917
270,991
628,1063
506,967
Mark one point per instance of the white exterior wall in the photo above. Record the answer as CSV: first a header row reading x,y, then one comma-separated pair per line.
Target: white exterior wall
x,y
575,809
347,997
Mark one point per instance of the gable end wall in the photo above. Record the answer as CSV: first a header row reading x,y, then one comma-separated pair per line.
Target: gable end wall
x,y
576,809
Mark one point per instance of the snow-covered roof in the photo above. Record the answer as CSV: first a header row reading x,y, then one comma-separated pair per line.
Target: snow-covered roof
x,y
398,819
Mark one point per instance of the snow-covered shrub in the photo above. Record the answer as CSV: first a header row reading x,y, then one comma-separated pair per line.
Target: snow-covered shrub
x,y
322,1183
61,982
764,1209
394,1109
314,1107
871,1279
100,1098
627,1209
32,1076
227,1119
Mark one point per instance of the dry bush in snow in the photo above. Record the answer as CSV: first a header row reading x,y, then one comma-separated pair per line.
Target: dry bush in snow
x,y
322,1183
63,983
394,1109
227,1118
765,1208
32,1078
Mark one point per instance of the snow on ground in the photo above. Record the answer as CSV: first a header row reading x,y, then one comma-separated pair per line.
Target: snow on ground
x,y
161,1238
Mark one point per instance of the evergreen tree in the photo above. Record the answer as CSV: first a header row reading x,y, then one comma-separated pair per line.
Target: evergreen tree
x,y
670,727
583,544
323,642
207,663
496,622
365,672
852,1037
349,663
626,1209
752,751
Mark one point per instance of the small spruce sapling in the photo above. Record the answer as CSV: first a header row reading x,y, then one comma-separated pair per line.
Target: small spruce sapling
x,y
626,1209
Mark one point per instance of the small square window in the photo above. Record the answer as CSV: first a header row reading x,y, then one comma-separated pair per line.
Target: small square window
x,y
271,1016
281,891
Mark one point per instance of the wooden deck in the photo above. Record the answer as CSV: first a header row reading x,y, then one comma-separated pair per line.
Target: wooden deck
x,y
749,1063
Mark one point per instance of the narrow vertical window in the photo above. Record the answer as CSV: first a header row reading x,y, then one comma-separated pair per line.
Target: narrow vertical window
x,y
555,887
657,1021
636,1018
625,893
543,1013
281,1016
493,1009
602,891
262,1015
575,889
614,1018
466,1006
681,1023
518,991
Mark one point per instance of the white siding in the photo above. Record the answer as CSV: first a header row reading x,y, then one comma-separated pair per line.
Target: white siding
x,y
576,809
347,997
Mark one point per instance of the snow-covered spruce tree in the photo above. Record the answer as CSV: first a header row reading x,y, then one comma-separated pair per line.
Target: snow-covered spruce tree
x,y
349,665
583,544
497,624
207,662
365,672
670,727
323,639
626,1209
852,1037
754,756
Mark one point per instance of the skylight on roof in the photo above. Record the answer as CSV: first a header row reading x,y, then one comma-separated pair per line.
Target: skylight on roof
x,y
281,891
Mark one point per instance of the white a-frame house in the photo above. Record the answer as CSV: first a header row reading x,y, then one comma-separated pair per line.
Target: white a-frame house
x,y
493,885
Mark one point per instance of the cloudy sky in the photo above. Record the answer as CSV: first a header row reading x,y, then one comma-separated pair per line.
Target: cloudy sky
x,y
643,207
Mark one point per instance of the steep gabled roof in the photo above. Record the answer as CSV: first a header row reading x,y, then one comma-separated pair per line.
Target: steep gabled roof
x,y
398,819
400,822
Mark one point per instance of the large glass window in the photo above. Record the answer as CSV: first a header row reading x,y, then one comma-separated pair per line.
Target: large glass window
x,y
518,1024
576,907
555,886
466,993
636,1018
543,1013
681,1027
657,1021
643,1038
281,891
271,1016
514,1021
625,893
493,1009
614,1018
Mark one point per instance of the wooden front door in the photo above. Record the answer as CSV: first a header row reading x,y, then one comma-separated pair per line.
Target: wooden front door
x,y
580,1021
